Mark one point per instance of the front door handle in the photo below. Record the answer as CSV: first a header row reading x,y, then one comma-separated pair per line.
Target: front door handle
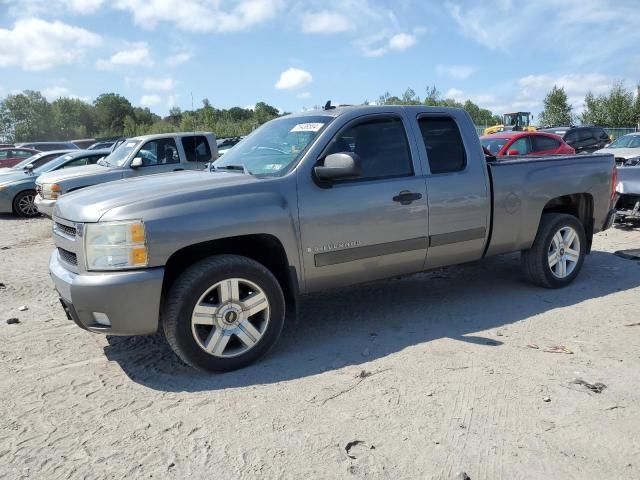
x,y
178,169
405,197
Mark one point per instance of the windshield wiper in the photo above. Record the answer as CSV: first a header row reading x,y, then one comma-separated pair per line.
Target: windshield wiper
x,y
238,168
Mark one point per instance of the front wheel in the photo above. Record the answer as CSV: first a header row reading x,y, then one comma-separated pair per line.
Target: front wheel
x,y
223,313
557,254
24,204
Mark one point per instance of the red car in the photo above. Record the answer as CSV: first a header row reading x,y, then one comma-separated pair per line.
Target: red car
x,y
14,155
525,143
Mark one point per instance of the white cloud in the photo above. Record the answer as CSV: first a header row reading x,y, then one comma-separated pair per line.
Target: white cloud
x,y
325,21
200,15
384,42
456,94
150,100
84,6
57,91
35,44
457,72
135,55
159,84
402,41
178,58
293,78
303,95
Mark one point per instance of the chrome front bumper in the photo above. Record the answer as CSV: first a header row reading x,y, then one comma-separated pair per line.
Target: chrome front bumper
x,y
45,207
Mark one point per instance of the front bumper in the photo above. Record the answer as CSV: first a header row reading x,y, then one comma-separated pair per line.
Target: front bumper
x,y
130,300
45,207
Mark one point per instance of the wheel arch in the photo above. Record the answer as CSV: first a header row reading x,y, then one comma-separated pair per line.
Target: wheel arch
x,y
265,249
579,205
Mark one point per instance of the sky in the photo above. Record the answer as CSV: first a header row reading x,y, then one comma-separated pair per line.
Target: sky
x,y
505,55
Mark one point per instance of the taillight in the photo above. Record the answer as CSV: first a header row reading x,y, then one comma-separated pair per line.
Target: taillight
x,y
614,183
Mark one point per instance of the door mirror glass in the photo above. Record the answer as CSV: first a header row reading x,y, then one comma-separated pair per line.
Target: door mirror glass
x,y
29,167
339,166
136,162
513,152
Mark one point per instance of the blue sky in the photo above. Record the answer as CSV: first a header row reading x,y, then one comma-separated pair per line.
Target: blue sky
x,y
502,54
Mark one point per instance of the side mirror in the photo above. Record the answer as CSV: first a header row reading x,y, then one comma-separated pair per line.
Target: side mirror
x,y
29,167
338,166
607,145
513,152
136,162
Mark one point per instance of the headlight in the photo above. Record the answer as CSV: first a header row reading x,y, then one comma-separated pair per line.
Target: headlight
x,y
632,162
115,245
50,191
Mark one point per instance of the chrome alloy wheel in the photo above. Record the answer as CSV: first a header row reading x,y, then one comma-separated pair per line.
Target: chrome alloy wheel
x,y
564,252
27,206
230,318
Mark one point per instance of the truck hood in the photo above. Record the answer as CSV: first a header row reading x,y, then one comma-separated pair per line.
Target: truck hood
x,y
625,153
90,204
69,173
629,180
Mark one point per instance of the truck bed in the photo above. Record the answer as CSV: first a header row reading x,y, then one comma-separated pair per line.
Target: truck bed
x,y
522,187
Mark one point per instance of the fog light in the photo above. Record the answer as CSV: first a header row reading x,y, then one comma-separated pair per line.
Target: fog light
x,y
101,319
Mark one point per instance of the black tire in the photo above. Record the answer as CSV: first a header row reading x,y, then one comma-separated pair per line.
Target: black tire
x,y
24,206
535,263
192,284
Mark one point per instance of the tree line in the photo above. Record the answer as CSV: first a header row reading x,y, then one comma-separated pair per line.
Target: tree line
x,y
29,116
617,109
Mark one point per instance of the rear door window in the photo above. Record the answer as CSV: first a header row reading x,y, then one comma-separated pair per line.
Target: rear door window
x,y
442,139
571,137
196,148
542,143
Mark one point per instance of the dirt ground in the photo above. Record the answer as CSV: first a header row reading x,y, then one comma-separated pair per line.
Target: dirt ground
x,y
423,377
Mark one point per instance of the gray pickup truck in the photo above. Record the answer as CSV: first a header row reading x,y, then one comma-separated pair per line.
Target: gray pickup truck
x,y
308,202
136,157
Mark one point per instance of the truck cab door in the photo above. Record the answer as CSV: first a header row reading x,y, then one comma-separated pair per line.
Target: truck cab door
x,y
369,227
158,156
457,189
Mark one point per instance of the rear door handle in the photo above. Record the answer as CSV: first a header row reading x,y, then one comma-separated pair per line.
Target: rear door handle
x,y
405,197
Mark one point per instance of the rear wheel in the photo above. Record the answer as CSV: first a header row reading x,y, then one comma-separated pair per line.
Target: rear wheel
x,y
24,204
223,313
557,254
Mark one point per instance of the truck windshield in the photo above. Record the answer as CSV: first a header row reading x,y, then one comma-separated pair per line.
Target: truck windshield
x,y
275,146
119,156
628,141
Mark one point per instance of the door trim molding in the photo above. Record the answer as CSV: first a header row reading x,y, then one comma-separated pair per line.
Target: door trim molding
x,y
457,237
370,251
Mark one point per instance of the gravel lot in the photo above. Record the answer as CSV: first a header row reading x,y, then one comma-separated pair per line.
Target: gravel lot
x,y
423,377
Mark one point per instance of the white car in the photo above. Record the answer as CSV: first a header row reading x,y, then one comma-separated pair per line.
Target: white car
x,y
626,149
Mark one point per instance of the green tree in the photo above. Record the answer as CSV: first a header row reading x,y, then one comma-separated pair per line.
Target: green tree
x,y
557,110
594,110
619,107
73,118
27,116
111,110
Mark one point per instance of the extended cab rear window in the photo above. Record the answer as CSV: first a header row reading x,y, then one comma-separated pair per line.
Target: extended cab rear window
x,y
196,148
443,142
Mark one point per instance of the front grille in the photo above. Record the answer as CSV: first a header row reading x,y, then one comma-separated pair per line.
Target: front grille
x,y
65,229
68,257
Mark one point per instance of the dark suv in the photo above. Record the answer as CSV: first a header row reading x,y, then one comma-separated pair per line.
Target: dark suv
x,y
584,139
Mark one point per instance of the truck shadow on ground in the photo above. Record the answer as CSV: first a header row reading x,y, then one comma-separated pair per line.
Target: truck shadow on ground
x,y
351,327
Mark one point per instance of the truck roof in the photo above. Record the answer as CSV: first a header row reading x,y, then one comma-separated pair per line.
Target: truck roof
x,y
156,136
337,111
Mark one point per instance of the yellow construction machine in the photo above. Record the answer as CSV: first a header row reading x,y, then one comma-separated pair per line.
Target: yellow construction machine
x,y
515,121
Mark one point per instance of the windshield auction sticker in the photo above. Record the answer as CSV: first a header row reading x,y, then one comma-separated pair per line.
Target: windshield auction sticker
x,y
307,127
